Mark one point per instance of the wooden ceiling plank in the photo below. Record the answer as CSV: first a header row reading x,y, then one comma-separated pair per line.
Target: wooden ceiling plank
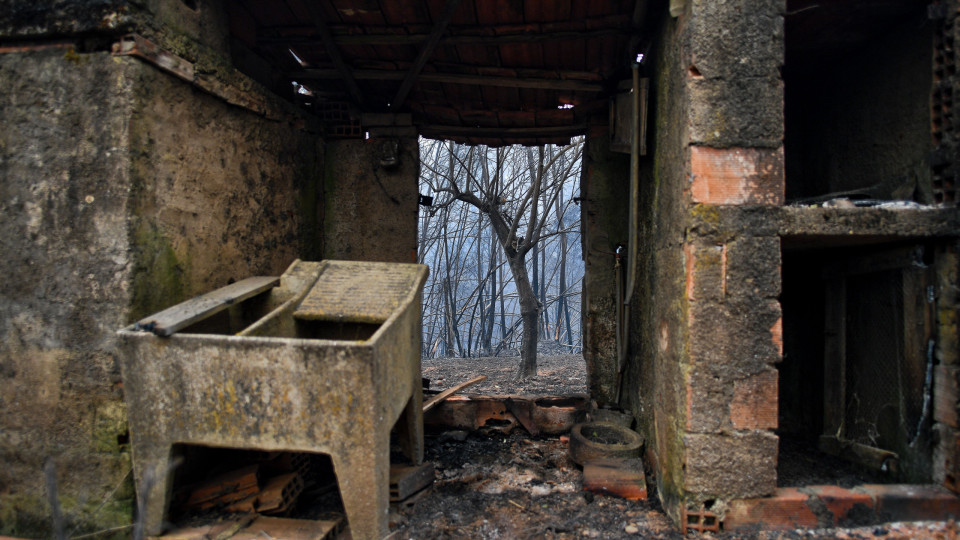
x,y
425,53
344,35
500,132
404,13
452,78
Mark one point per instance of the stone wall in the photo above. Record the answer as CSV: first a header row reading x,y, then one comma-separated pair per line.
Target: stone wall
x,y
125,191
66,287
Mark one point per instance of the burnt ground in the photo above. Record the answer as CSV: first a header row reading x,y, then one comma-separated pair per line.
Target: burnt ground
x,y
491,485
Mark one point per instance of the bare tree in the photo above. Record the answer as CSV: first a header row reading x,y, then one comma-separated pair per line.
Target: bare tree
x,y
520,193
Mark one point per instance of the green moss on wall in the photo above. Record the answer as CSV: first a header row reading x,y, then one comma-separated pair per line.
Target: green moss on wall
x,y
158,274
29,516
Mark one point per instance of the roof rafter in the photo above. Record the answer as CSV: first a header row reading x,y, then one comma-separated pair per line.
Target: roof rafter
x,y
425,53
333,51
459,78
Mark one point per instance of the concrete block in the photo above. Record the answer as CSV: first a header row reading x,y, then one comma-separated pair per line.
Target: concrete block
x,y
753,267
742,39
737,338
731,466
705,271
707,401
736,113
737,176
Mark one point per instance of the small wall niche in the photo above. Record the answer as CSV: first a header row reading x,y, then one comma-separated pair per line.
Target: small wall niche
x,y
857,90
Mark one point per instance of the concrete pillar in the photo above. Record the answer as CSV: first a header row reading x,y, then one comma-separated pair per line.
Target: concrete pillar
x,y
605,189
703,381
371,199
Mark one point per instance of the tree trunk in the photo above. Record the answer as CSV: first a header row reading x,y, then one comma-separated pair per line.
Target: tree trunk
x,y
529,315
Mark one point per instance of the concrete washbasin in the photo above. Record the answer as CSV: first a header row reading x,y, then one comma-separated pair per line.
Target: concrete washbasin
x,y
326,359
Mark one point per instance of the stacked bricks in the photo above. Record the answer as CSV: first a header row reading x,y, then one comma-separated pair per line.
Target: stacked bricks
x,y
734,324
944,123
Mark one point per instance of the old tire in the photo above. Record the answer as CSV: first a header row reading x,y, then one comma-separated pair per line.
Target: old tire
x,y
600,440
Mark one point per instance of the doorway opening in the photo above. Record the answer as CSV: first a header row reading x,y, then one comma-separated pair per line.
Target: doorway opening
x,y
500,230
856,379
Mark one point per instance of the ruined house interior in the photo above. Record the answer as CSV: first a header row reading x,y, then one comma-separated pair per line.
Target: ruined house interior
x,y
782,175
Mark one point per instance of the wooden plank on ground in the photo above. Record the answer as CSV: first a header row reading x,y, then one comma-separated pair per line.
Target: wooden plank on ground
x,y
290,529
432,402
186,313
405,480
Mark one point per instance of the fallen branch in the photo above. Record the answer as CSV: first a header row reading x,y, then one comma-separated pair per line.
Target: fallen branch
x,y
435,400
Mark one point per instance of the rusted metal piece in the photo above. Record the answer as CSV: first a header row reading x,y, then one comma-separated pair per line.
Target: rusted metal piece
x,y
405,480
620,477
288,384
141,47
280,493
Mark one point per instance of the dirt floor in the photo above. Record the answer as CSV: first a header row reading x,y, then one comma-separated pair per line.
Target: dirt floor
x,y
562,375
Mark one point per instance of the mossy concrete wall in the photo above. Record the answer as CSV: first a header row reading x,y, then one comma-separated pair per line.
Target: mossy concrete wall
x,y
124,191
370,209
705,323
653,387
66,267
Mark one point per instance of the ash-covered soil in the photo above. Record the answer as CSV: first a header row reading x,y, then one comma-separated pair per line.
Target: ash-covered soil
x,y
563,375
515,486
493,486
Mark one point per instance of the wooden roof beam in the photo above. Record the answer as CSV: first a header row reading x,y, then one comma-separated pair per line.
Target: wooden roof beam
x,y
415,39
425,53
333,50
456,78
435,130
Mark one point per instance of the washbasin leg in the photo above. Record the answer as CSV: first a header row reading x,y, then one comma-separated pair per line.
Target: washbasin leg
x,y
410,426
152,473
364,478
